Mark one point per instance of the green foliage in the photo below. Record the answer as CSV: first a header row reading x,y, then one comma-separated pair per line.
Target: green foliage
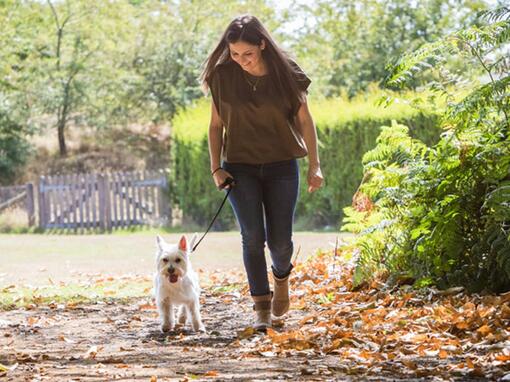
x,y
100,64
13,147
441,214
346,130
354,39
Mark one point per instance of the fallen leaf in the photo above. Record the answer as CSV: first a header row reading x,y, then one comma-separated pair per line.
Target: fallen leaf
x,y
92,352
246,333
65,339
484,330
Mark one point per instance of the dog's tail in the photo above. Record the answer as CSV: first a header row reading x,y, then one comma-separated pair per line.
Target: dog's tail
x,y
193,241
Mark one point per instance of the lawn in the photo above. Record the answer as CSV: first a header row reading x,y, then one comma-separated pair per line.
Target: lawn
x,y
36,259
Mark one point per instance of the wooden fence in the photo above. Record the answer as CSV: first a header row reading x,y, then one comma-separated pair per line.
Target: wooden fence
x,y
104,201
19,196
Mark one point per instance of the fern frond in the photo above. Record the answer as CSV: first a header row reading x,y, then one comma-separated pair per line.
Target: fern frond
x,y
431,54
491,15
485,96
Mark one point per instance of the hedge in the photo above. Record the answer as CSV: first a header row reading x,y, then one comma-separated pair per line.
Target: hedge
x,y
346,130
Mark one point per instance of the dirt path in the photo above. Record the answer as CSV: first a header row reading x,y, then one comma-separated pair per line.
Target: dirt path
x,y
107,342
333,332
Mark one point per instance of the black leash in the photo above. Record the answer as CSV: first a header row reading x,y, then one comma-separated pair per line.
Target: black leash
x,y
229,181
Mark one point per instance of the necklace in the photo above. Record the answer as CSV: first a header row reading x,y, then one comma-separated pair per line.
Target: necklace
x,y
253,85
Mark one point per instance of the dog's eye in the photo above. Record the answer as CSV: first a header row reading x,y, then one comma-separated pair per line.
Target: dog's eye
x,y
165,260
178,260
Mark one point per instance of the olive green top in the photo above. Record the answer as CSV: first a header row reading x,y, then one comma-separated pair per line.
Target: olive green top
x,y
259,124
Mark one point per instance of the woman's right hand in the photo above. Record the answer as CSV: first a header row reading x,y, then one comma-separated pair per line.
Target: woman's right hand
x,y
220,177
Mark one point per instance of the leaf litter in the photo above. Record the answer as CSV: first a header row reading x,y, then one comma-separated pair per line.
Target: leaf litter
x,y
332,332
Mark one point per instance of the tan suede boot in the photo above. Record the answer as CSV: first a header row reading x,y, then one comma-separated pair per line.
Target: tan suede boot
x,y
280,303
262,309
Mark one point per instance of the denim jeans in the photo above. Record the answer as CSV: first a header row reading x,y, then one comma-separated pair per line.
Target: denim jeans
x,y
264,200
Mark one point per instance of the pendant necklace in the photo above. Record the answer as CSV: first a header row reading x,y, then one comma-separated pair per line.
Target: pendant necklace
x,y
253,85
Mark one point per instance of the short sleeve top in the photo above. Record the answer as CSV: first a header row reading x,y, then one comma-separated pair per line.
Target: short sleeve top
x,y
259,125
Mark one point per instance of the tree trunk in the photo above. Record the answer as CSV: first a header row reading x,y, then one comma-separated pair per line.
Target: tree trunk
x,y
61,138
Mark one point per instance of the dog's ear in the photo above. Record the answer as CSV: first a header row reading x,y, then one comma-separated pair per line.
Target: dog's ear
x,y
160,242
183,245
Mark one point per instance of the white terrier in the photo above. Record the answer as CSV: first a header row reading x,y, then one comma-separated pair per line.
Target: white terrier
x,y
176,285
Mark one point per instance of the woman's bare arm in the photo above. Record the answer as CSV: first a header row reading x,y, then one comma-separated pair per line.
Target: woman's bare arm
x,y
215,144
307,126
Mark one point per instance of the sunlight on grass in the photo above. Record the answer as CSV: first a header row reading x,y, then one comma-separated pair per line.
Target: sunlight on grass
x,y
101,289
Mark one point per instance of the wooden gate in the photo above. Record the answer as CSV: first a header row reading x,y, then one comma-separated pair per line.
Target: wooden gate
x,y
104,201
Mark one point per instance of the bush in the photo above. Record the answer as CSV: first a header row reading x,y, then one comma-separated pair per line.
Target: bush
x,y
345,130
13,148
441,214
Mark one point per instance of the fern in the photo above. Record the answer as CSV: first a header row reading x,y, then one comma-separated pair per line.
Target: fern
x,y
441,214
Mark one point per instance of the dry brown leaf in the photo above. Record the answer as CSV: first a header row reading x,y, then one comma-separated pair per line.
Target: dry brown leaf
x,y
32,320
308,319
505,311
484,330
147,307
409,364
503,357
65,339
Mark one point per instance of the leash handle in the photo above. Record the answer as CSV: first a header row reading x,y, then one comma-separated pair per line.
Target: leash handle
x,y
228,181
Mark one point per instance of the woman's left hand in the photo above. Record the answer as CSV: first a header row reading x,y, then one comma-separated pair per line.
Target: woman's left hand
x,y
315,178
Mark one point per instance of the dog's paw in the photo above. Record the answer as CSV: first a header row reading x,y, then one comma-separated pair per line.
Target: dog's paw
x,y
199,328
165,328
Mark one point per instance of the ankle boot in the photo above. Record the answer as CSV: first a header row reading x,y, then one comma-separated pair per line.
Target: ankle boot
x,y
262,307
280,303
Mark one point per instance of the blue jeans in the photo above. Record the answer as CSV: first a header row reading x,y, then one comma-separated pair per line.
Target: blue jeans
x,y
264,199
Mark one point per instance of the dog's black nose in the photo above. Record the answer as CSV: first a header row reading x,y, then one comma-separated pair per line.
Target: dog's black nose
x,y
171,270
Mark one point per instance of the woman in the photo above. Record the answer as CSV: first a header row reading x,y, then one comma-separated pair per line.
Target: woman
x,y
260,124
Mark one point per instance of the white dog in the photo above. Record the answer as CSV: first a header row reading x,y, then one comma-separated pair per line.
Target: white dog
x,y
176,285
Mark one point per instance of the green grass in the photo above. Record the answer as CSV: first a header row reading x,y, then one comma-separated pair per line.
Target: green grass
x,y
61,269
121,289
226,288
94,231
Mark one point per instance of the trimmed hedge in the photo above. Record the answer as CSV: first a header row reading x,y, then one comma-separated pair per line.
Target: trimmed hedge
x,y
346,130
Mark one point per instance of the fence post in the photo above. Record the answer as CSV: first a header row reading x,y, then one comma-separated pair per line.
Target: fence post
x,y
101,201
108,209
103,188
163,205
42,204
29,203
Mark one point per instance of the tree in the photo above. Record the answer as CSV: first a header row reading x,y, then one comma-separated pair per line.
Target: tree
x,y
355,40
441,214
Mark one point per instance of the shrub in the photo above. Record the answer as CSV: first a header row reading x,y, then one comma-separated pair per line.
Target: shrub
x,y
441,214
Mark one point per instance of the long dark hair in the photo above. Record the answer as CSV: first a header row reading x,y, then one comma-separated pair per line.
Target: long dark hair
x,y
249,29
